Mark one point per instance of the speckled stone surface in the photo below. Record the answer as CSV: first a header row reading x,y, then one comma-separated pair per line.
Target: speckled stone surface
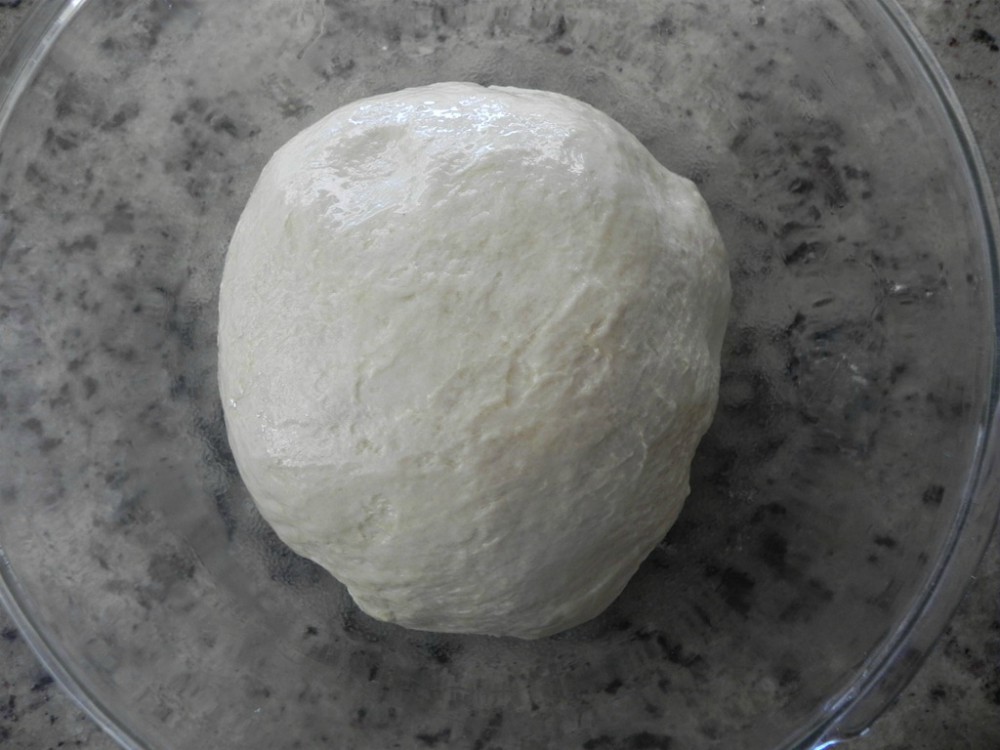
x,y
955,700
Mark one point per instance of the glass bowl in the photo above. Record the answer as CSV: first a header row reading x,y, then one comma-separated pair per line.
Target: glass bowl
x,y
842,497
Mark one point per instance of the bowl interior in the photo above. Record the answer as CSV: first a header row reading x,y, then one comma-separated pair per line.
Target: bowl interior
x,y
856,373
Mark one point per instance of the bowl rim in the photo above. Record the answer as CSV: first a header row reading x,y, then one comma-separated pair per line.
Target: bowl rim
x,y
31,43
877,681
888,669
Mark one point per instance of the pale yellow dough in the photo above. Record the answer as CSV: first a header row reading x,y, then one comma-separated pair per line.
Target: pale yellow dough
x,y
468,342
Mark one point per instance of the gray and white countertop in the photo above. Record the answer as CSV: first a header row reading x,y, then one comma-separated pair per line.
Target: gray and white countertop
x,y
953,703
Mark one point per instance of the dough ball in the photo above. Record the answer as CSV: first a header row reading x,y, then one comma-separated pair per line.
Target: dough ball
x,y
469,340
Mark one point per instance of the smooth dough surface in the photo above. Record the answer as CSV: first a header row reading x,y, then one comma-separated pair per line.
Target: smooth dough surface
x,y
469,341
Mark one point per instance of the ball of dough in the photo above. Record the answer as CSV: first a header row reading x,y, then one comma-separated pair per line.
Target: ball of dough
x,y
468,342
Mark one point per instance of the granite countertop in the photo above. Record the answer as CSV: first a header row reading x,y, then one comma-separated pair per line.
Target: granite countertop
x,y
954,701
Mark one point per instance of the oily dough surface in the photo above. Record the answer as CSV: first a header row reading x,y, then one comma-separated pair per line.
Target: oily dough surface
x,y
469,340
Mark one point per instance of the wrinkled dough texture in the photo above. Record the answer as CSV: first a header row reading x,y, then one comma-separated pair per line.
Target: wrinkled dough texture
x,y
469,341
